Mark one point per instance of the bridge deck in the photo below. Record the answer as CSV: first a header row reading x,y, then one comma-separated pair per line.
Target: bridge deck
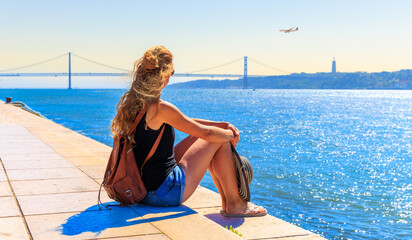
x,y
108,74
49,178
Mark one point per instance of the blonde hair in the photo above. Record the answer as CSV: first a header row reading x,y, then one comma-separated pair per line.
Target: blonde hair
x,y
149,75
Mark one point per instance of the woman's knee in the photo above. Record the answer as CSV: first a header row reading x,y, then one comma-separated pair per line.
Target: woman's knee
x,y
201,150
225,146
220,145
206,145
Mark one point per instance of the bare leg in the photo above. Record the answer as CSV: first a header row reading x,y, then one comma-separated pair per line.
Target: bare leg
x,y
181,148
218,185
200,155
224,170
195,162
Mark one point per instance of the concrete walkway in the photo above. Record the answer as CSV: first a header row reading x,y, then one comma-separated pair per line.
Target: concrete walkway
x,y
49,181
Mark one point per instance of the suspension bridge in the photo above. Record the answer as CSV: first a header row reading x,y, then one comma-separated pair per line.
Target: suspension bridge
x,y
39,70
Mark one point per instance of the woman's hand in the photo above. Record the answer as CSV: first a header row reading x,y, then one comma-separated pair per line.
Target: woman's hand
x,y
236,133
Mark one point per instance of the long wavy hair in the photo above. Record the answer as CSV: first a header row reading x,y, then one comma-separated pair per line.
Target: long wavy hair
x,y
149,75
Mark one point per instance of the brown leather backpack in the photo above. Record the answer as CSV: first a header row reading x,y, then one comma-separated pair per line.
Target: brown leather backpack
x,y
122,178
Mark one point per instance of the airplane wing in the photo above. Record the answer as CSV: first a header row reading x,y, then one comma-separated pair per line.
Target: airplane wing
x,y
287,30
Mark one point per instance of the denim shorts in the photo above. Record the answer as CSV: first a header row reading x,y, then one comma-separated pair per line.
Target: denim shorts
x,y
170,192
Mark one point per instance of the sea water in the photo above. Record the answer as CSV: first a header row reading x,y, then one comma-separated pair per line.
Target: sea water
x,y
335,162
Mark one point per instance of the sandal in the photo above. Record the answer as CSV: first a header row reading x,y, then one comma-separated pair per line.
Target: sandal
x,y
249,213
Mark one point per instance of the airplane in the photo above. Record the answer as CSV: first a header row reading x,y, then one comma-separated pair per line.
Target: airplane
x,y
289,30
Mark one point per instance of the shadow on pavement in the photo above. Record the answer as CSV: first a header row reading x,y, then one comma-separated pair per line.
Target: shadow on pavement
x,y
225,222
94,220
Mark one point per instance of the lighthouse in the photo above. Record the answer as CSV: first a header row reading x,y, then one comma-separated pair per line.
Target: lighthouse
x,y
333,65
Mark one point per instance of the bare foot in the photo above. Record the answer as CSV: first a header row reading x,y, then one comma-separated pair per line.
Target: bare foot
x,y
247,210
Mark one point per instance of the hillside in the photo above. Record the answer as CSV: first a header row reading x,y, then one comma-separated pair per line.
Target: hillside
x,y
358,80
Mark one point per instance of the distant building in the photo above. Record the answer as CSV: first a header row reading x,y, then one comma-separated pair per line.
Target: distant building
x,y
333,65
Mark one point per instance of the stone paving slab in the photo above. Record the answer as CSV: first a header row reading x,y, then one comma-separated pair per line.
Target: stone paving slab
x,y
30,156
204,198
60,202
2,175
104,156
120,222
94,171
71,152
144,237
44,173
12,228
88,160
5,189
94,147
8,207
50,186
50,137
33,164
23,149
13,143
4,137
251,228
190,225
14,130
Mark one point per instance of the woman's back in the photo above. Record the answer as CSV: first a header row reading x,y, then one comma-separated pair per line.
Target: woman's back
x,y
159,166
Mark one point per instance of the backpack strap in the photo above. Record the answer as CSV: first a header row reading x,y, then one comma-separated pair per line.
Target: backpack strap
x,y
155,145
137,120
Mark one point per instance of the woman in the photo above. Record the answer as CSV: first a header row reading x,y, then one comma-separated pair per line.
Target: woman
x,y
172,174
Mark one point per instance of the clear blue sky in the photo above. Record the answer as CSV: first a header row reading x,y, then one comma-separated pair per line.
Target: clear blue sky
x,y
363,35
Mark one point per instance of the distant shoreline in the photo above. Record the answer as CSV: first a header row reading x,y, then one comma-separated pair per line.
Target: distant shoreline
x,y
398,80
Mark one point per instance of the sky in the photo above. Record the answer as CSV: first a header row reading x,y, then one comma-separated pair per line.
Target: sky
x,y
362,35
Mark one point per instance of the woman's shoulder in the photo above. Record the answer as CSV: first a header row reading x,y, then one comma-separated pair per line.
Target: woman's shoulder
x,y
166,106
155,108
167,112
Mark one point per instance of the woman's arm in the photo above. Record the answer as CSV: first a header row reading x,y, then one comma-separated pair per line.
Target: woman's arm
x,y
171,115
224,125
212,123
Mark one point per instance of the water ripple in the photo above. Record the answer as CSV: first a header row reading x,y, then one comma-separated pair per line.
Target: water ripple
x,y
338,163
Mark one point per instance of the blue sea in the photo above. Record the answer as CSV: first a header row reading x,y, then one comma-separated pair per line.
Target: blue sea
x,y
335,162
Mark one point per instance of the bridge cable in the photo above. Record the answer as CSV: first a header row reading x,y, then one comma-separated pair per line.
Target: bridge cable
x,y
101,64
34,64
221,65
277,69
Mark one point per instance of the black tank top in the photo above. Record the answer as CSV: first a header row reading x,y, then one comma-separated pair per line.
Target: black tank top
x,y
158,167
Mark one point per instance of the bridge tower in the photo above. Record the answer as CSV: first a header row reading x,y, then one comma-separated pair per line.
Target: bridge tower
x,y
70,71
245,73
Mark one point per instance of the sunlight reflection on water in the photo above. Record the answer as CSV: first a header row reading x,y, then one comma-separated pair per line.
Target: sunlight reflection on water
x,y
336,162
